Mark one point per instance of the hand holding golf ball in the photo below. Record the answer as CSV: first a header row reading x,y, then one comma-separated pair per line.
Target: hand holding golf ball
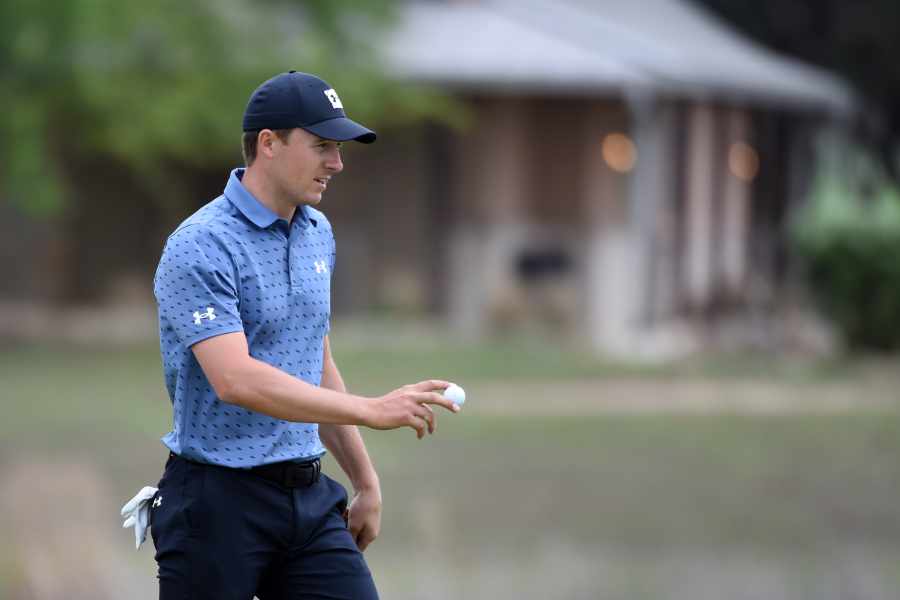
x,y
455,394
410,406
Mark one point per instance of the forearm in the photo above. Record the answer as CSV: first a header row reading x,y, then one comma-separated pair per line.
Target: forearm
x,y
262,388
347,446
344,441
240,379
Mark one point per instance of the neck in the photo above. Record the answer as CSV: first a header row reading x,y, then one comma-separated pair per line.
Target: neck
x,y
255,182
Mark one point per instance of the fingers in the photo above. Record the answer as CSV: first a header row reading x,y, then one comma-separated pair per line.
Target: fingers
x,y
418,424
433,398
423,417
407,407
363,542
363,522
363,538
354,527
430,385
429,418
424,412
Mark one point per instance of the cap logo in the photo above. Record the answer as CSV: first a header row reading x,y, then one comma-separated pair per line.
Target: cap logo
x,y
333,98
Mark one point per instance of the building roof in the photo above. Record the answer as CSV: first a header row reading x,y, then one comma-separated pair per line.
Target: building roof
x,y
476,45
599,47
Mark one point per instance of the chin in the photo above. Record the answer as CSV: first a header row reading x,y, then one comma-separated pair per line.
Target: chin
x,y
309,200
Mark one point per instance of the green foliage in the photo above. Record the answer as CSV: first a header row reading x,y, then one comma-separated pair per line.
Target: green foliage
x,y
146,84
850,235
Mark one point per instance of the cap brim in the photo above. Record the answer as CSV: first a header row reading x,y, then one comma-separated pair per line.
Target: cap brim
x,y
341,129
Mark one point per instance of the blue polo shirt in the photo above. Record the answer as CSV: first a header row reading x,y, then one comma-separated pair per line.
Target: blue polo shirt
x,y
234,265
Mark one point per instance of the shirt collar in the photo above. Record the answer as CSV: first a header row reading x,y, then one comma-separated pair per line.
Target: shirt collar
x,y
253,209
302,217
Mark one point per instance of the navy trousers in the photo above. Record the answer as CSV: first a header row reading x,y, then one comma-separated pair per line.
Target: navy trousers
x,y
229,534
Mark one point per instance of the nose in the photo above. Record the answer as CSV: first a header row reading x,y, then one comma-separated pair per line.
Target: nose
x,y
333,161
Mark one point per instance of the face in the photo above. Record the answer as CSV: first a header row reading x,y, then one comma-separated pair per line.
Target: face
x,y
302,168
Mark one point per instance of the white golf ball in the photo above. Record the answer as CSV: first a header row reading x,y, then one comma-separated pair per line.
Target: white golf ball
x,y
455,394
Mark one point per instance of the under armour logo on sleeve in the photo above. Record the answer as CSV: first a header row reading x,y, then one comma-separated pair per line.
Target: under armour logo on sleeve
x,y
321,267
209,314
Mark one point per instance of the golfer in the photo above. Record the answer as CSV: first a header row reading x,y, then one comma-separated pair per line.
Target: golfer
x,y
243,288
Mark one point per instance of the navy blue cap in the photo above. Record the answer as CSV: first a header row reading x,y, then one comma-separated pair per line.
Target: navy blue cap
x,y
296,99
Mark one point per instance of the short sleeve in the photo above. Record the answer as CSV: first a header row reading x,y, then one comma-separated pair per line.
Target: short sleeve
x,y
196,287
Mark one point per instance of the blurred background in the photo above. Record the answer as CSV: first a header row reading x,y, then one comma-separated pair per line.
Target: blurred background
x,y
656,241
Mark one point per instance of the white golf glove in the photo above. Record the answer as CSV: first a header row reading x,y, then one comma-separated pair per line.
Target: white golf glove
x,y
136,513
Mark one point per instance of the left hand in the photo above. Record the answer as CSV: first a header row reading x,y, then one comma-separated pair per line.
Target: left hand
x,y
363,517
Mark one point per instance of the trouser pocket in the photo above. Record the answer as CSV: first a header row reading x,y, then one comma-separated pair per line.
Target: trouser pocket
x,y
173,507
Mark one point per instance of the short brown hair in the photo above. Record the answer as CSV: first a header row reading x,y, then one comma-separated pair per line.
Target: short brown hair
x,y
248,142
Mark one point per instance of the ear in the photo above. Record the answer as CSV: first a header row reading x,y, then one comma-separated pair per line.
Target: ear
x,y
265,142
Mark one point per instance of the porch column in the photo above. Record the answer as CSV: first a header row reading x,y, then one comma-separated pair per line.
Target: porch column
x,y
736,203
492,190
651,201
698,235
626,289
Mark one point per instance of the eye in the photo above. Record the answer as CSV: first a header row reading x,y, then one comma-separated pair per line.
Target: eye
x,y
324,146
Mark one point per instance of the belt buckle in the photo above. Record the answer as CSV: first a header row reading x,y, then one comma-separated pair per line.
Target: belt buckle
x,y
290,477
301,475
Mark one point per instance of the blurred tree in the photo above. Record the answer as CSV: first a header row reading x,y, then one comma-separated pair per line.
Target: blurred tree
x,y
859,40
145,85
849,235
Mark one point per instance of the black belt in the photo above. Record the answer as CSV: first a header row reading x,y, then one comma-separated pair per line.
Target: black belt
x,y
288,474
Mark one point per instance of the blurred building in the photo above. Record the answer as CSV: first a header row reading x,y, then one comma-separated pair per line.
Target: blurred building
x,y
626,175
625,179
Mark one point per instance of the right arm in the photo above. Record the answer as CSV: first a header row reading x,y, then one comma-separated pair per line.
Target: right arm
x,y
240,379
197,270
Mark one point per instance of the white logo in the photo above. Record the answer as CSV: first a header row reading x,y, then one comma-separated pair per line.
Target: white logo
x,y
333,98
157,502
320,266
209,314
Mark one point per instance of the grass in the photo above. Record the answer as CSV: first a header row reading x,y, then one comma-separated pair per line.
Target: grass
x,y
776,482
648,498
385,352
54,390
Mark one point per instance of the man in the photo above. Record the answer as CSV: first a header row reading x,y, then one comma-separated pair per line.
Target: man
x,y
243,288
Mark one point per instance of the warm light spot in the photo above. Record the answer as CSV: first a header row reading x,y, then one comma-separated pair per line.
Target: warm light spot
x,y
743,161
619,152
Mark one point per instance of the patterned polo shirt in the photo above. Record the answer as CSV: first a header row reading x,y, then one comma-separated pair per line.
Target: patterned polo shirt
x,y
234,265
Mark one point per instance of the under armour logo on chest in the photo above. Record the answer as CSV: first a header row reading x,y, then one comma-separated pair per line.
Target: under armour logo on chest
x,y
199,316
321,267
157,502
